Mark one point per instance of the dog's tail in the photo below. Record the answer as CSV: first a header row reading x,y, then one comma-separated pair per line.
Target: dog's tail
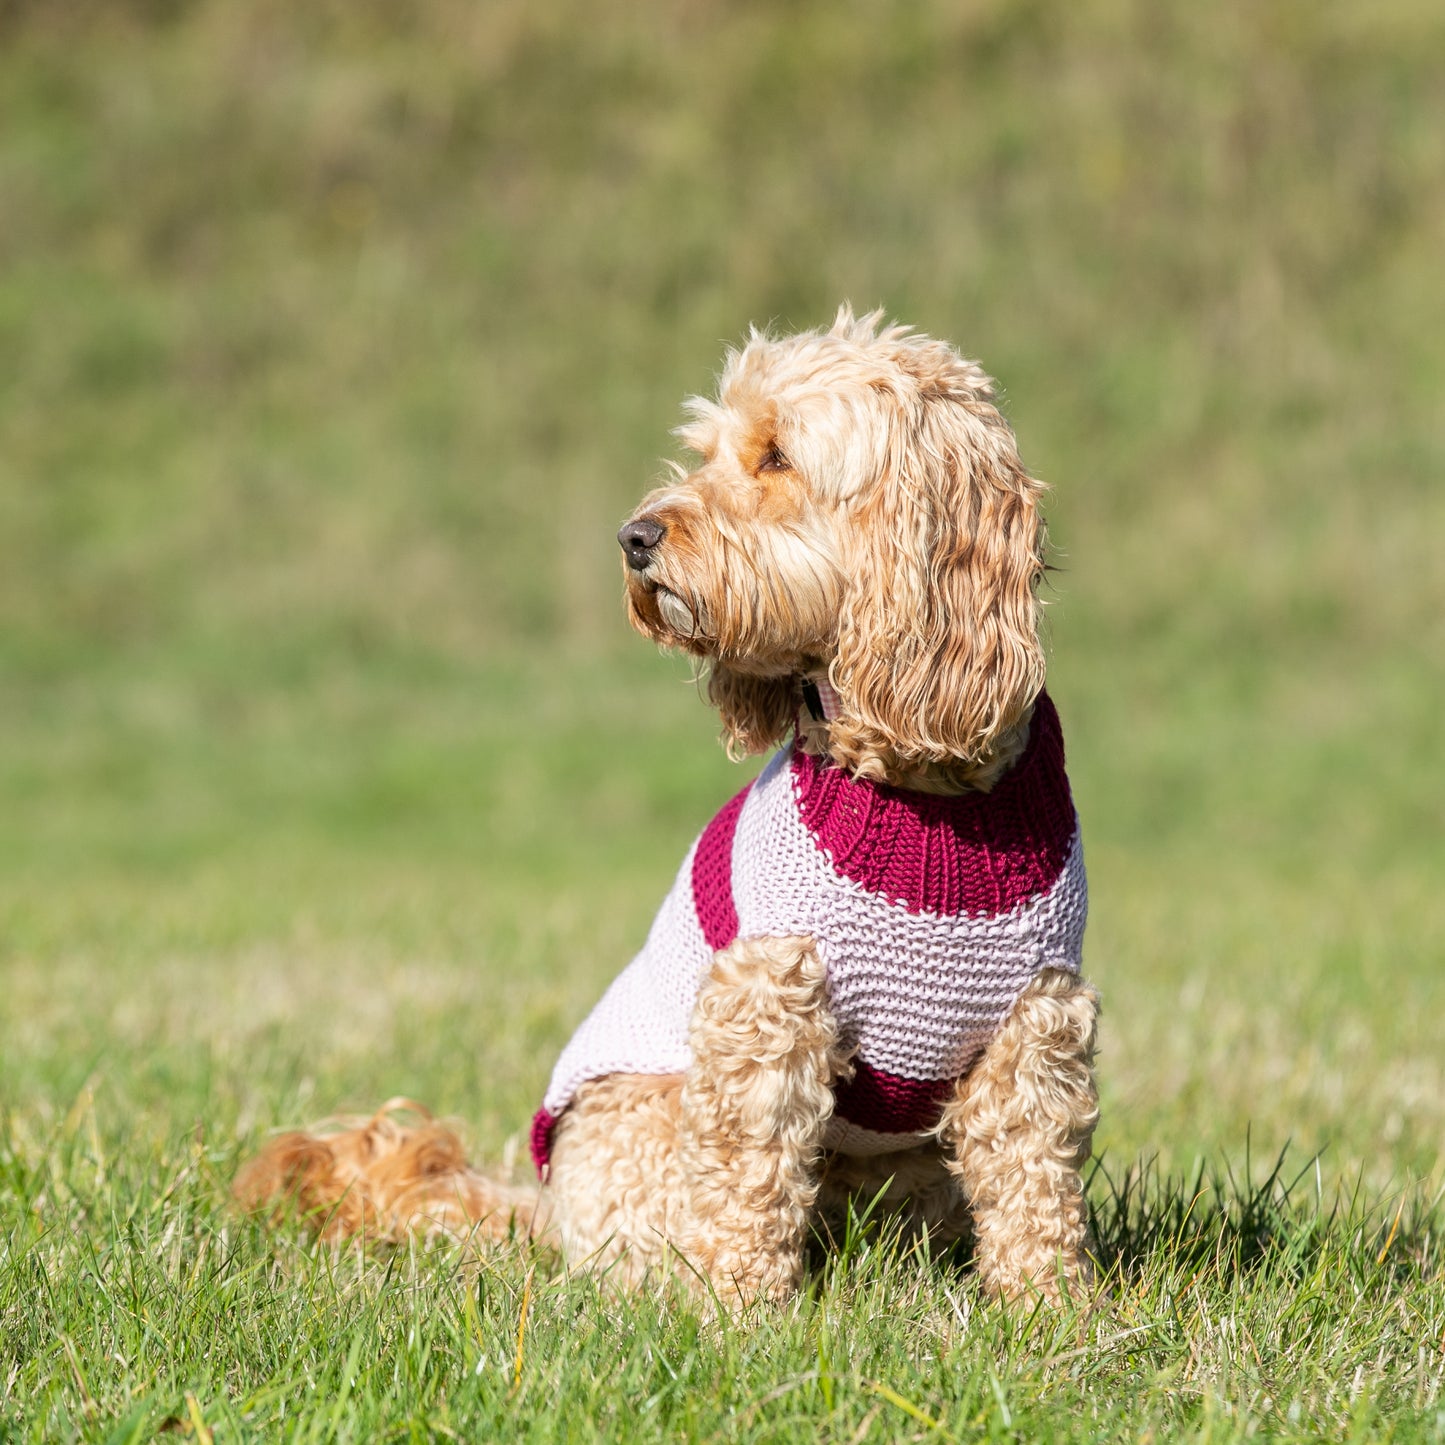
x,y
395,1174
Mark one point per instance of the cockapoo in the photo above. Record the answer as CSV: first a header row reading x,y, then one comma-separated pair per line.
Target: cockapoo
x,y
865,977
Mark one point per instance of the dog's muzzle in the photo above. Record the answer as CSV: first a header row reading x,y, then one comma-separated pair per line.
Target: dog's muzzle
x,y
638,540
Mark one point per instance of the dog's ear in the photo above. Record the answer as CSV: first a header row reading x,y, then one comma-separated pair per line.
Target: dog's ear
x,y
938,647
757,712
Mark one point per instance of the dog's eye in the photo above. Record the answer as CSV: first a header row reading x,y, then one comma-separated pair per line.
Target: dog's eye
x,y
773,461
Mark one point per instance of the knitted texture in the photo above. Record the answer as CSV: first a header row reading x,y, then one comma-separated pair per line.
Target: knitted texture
x,y
712,876
931,915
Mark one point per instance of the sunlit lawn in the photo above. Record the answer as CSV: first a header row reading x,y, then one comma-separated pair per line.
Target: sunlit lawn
x,y
332,350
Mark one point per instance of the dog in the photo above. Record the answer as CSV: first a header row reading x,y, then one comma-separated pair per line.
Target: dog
x,y
865,982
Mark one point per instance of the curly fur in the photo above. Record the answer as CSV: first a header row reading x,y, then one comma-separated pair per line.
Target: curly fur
x,y
857,510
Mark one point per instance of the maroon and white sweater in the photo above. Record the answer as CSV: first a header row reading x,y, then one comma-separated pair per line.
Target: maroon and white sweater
x,y
931,915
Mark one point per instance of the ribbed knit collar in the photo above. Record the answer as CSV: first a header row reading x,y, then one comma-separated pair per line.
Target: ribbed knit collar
x,y
975,854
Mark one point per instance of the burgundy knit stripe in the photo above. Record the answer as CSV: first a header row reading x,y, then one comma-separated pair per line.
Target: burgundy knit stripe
x,y
981,854
541,1140
888,1104
712,876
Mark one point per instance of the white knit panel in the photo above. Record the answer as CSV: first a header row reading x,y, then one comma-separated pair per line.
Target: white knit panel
x,y
919,994
640,1025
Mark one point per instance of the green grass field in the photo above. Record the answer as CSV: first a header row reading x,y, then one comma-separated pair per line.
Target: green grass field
x,y
336,339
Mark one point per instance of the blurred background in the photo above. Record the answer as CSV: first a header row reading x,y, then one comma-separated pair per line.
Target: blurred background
x,y
336,339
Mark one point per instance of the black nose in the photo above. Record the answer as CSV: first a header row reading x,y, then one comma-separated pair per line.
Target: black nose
x,y
637,540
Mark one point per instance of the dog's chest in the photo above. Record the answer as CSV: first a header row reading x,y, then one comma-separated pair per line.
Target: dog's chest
x,y
930,920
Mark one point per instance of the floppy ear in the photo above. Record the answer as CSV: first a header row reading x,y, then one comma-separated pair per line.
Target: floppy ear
x,y
757,712
938,648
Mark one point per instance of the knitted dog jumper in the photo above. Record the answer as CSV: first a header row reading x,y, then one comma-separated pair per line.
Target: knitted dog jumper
x,y
931,915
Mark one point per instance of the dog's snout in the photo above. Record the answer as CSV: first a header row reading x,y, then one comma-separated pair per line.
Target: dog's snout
x,y
638,539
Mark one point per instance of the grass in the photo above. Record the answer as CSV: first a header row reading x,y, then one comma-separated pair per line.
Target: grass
x,y
333,343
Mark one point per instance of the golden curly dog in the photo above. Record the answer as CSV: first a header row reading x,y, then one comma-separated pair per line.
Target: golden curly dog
x,y
866,976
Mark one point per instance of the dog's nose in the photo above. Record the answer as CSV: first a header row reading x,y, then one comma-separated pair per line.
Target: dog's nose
x,y
638,540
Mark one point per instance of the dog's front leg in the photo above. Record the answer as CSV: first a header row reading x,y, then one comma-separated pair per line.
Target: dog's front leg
x,y
755,1103
1019,1129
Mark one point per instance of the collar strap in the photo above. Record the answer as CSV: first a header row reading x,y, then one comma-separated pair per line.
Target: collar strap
x,y
819,698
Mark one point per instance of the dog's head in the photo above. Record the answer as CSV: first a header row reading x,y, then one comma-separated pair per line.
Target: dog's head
x,y
857,508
